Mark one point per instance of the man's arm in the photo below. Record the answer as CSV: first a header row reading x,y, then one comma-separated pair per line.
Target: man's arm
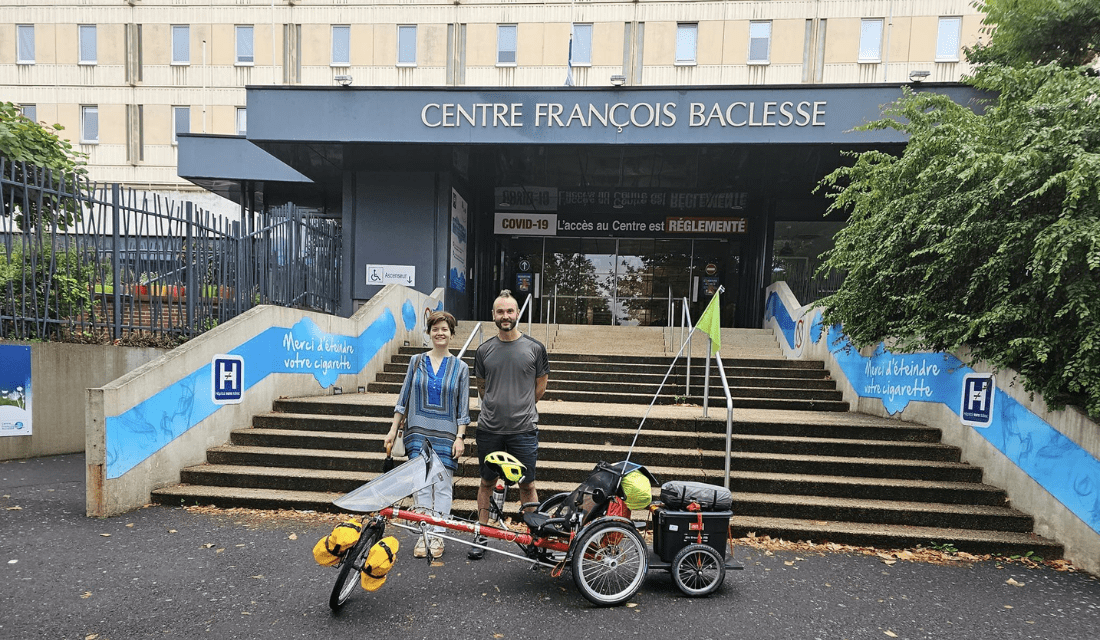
x,y
480,382
540,386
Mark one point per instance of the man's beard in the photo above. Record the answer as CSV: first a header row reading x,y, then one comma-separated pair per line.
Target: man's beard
x,y
499,322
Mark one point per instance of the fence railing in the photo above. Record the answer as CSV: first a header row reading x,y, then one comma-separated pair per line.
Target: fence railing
x,y
87,262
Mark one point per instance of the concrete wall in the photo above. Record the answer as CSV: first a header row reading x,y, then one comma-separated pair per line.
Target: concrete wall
x,y
148,424
59,375
1048,462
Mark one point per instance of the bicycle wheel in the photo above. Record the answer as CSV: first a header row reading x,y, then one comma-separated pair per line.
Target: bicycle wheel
x,y
698,570
610,562
350,567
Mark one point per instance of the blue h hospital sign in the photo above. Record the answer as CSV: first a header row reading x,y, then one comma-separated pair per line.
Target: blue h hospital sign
x,y
227,379
977,400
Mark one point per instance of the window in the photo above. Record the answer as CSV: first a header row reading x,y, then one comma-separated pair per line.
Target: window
x,y
245,51
25,44
341,45
506,45
406,45
760,41
581,54
89,125
181,44
947,40
86,33
687,39
29,111
242,121
870,40
181,122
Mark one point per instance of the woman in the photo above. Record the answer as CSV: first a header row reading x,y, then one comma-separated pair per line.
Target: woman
x,y
436,398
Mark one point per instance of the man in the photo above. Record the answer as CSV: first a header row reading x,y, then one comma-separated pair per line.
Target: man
x,y
511,370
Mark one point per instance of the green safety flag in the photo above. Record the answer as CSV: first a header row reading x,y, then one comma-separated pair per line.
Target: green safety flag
x,y
710,323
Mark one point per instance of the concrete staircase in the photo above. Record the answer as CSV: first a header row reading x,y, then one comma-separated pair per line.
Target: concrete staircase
x,y
803,468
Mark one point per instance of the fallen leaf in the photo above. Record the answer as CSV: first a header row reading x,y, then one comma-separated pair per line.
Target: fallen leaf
x,y
130,525
890,633
631,604
15,508
245,613
788,563
890,562
105,535
293,536
218,550
1008,606
208,545
259,577
12,561
86,595
1014,583
92,636
498,635
171,531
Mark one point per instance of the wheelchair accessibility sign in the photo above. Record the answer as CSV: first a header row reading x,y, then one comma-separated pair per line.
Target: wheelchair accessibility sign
x,y
227,379
383,274
977,400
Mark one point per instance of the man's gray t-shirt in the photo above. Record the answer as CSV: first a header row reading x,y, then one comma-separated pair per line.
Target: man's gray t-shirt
x,y
509,371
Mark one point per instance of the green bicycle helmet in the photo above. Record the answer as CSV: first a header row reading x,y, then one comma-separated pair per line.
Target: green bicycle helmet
x,y
506,465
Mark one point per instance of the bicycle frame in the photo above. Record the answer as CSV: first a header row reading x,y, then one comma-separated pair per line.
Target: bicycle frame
x,y
476,528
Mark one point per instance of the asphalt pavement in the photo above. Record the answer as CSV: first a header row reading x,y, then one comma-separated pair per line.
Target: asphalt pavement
x,y
168,572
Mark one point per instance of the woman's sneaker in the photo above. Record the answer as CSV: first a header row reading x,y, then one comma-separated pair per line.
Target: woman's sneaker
x,y
420,550
435,545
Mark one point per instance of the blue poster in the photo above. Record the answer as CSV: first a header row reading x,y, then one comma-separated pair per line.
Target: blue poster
x,y
15,390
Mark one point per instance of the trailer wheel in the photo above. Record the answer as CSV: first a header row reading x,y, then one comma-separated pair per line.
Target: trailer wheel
x,y
698,570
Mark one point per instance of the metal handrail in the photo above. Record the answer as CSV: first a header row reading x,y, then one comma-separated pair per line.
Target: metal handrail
x,y
530,311
685,316
466,345
729,415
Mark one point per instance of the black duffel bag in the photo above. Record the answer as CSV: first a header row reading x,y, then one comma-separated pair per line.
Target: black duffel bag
x,y
678,494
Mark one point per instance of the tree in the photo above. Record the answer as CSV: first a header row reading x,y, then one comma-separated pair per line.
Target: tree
x,y
985,232
1065,32
50,162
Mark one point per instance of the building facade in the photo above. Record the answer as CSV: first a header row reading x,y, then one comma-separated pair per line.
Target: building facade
x,y
123,76
503,111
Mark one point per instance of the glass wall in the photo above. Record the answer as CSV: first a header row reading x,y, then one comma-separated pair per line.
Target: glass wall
x,y
620,281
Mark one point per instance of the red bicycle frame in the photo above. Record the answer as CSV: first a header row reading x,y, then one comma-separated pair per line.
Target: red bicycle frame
x,y
524,539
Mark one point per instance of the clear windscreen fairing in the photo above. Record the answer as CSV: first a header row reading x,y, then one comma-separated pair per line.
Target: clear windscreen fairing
x,y
395,485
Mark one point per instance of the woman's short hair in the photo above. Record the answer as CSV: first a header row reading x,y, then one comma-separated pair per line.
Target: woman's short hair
x,y
441,315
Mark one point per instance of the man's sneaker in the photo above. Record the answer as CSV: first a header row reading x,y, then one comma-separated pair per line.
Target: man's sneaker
x,y
435,545
421,551
477,553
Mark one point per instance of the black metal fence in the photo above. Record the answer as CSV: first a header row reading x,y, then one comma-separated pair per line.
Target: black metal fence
x,y
87,262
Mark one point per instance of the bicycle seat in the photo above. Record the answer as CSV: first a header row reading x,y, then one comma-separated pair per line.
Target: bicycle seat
x,y
544,524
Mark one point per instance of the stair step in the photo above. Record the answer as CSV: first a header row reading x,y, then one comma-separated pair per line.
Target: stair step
x,y
895,536
920,514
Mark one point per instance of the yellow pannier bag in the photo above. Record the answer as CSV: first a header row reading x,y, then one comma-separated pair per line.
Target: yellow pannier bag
x,y
379,561
332,547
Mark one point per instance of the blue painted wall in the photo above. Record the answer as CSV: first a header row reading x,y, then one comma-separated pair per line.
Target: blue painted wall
x,y
1070,473
141,431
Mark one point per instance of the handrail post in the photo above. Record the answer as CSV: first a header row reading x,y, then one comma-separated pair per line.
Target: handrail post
x,y
729,416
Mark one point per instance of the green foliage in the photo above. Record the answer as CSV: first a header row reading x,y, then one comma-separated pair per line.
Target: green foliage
x,y
24,140
1065,32
55,283
985,233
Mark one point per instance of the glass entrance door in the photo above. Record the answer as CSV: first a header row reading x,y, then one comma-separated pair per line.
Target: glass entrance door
x,y
620,281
